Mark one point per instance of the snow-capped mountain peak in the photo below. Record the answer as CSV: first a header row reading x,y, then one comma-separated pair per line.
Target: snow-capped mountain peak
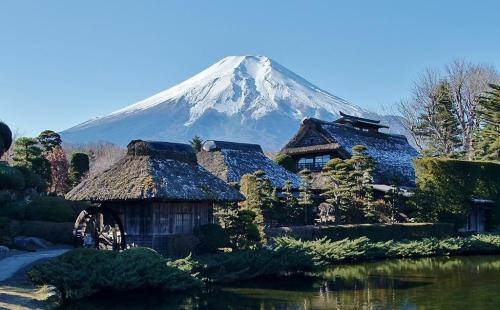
x,y
239,98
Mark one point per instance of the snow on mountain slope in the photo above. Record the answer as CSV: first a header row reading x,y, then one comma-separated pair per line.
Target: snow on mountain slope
x,y
240,98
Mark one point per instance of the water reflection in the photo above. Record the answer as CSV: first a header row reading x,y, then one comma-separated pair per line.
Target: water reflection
x,y
428,283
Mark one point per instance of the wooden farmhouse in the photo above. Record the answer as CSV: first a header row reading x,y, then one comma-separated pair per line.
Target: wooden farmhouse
x,y
230,161
318,141
154,195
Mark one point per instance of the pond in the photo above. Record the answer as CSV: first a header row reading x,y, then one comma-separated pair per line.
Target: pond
x,y
427,283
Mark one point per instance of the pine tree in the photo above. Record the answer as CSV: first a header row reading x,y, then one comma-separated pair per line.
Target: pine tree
x,y
196,143
27,154
361,175
293,210
48,140
251,187
306,197
487,137
348,186
438,126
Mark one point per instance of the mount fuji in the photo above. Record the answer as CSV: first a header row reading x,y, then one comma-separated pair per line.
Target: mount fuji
x,y
240,98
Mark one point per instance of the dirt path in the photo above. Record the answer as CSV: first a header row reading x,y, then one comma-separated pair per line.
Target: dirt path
x,y
16,290
11,264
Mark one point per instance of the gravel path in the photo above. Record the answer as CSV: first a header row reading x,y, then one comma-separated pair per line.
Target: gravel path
x,y
11,264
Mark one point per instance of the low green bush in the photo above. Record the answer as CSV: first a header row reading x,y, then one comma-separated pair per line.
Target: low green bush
x,y
31,179
248,264
11,178
211,237
15,210
57,233
375,232
330,252
83,272
54,209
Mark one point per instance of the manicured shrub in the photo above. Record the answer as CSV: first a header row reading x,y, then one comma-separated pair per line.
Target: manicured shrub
x,y
5,138
31,179
78,167
57,233
54,209
445,188
286,161
376,232
212,237
248,264
11,178
15,210
4,221
330,252
83,272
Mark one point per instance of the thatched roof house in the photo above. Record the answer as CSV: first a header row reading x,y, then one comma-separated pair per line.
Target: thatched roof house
x,y
157,189
318,141
230,161
155,171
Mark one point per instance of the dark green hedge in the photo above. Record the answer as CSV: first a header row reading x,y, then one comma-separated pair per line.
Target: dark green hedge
x,y
57,233
375,232
445,188
52,209
11,178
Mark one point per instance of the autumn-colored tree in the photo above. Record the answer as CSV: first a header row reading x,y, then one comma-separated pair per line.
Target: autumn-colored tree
x,y
59,170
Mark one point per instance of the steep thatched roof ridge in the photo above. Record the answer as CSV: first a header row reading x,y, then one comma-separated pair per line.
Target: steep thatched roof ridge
x,y
216,145
230,164
154,171
161,149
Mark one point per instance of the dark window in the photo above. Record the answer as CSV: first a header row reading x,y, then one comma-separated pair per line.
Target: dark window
x,y
316,162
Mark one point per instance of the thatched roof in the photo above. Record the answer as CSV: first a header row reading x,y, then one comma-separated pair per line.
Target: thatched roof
x,y
157,171
392,153
230,161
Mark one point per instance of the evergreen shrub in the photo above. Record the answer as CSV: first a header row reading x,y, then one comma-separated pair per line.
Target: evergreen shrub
x,y
54,209
11,178
84,272
212,237
445,188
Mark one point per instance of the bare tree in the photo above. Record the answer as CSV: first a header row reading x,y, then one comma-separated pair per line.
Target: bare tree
x,y
102,155
466,82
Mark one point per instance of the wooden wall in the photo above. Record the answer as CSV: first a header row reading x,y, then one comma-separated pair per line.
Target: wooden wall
x,y
162,218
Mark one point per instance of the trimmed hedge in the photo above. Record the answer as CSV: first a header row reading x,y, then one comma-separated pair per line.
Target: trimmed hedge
x,y
54,209
57,233
11,178
331,252
445,188
375,232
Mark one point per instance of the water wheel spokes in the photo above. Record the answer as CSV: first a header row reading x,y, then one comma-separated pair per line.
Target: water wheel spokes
x,y
100,228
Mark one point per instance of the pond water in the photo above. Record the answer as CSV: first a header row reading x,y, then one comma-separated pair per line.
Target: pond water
x,y
427,283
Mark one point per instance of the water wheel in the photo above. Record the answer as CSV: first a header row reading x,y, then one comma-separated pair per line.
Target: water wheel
x,y
99,228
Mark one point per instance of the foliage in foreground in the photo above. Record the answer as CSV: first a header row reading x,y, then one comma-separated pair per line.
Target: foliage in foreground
x,y
326,251
84,272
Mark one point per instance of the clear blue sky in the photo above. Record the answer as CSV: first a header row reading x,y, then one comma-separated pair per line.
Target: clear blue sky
x,y
63,62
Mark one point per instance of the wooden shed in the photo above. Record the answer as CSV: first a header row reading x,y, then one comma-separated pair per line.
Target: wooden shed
x,y
155,193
